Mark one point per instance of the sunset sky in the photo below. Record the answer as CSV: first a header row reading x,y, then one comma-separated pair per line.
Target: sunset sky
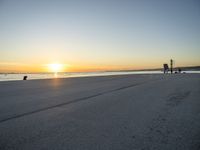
x,y
95,35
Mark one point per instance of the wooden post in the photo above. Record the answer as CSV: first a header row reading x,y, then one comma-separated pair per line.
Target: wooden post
x,y
171,66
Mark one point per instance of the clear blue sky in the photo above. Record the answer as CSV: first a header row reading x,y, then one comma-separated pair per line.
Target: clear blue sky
x,y
120,34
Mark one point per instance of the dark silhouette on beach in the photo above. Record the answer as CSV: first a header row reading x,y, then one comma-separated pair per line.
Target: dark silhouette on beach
x,y
179,70
25,77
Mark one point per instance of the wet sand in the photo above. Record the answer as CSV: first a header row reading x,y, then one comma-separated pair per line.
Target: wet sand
x,y
133,112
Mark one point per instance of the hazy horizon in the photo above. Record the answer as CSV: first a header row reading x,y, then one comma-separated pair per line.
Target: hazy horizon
x,y
91,35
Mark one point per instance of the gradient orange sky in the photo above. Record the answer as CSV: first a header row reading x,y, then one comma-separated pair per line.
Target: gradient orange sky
x,y
98,35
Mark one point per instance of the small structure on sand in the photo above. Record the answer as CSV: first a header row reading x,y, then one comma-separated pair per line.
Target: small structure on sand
x,y
166,68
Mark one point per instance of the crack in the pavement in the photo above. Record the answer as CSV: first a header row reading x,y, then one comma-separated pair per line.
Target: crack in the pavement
x,y
72,101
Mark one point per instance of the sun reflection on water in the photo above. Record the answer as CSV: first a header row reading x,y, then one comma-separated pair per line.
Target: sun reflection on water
x,y
55,75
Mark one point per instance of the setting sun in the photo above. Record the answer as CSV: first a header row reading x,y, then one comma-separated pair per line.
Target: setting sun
x,y
56,67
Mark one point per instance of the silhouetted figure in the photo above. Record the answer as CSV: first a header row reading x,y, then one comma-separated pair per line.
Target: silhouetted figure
x,y
179,70
166,68
171,66
25,77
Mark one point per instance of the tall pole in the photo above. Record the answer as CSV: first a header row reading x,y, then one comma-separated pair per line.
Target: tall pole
x,y
171,66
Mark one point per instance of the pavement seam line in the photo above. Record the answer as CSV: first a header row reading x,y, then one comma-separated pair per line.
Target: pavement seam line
x,y
72,101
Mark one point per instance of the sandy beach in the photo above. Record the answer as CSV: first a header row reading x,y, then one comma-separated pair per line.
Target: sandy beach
x,y
122,112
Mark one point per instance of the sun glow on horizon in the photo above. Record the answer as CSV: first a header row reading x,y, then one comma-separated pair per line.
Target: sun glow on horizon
x,y
56,67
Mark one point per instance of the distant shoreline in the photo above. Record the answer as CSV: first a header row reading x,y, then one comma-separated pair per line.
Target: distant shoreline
x,y
184,68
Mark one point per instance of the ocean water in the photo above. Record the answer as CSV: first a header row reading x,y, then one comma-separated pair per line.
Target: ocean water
x,y
19,76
